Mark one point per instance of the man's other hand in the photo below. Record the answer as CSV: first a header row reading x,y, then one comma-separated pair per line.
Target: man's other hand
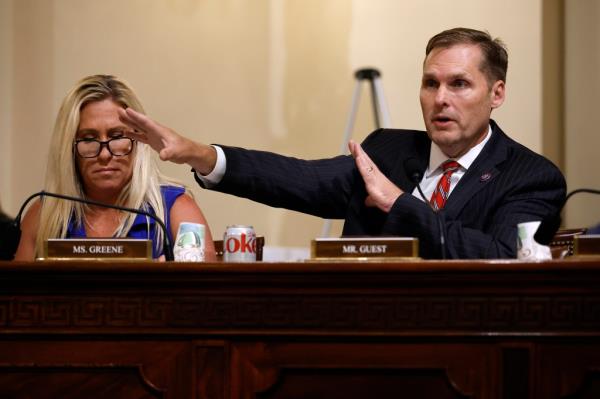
x,y
382,193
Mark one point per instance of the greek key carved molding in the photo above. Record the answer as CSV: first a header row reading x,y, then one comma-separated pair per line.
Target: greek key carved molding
x,y
310,312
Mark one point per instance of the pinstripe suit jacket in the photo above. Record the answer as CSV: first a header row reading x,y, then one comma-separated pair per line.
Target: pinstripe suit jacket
x,y
507,184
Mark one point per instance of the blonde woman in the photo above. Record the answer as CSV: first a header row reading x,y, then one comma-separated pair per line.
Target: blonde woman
x,y
90,157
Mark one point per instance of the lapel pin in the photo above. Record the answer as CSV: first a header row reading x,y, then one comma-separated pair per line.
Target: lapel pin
x,y
485,177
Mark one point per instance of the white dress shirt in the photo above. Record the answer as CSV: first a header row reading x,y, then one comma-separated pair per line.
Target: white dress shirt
x,y
434,171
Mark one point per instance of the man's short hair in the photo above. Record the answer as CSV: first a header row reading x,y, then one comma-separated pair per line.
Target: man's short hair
x,y
495,56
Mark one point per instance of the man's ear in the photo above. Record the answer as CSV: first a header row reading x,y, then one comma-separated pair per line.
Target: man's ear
x,y
497,94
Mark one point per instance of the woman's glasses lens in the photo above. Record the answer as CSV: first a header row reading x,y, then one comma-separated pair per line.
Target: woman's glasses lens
x,y
91,148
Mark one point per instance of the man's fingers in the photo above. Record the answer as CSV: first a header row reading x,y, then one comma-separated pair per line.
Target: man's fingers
x,y
137,117
142,138
137,135
147,131
140,121
365,165
381,192
124,117
355,149
351,144
135,132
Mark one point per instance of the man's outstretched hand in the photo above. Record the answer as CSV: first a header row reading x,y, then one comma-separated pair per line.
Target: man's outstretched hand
x,y
382,193
170,145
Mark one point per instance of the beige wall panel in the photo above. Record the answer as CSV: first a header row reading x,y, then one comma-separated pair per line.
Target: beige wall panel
x,y
32,92
270,74
6,115
582,84
553,84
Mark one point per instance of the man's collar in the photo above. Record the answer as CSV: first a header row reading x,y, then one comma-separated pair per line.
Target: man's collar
x,y
437,157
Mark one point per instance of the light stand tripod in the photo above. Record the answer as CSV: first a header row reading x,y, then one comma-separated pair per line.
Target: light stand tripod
x,y
380,112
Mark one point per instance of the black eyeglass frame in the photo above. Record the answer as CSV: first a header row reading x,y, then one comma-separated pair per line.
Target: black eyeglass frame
x,y
104,144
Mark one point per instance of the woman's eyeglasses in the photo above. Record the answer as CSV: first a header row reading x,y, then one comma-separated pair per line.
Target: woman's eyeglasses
x,y
91,148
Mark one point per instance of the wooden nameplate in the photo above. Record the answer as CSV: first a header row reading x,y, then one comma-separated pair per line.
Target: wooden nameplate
x,y
586,245
364,248
97,248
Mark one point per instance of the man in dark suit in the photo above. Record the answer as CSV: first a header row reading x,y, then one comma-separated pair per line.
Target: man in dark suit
x,y
494,182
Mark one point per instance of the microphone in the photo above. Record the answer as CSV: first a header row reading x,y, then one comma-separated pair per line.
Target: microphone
x,y
548,227
413,171
15,227
581,190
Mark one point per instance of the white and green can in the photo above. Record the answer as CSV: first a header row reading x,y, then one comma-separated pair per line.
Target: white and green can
x,y
189,244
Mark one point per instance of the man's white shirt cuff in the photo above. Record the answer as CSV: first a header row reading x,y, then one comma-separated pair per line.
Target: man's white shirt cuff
x,y
216,175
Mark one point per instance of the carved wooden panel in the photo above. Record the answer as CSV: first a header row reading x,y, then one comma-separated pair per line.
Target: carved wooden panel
x,y
357,370
211,362
95,369
360,383
569,370
76,381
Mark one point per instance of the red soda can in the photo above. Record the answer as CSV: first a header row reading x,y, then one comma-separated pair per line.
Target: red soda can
x,y
239,244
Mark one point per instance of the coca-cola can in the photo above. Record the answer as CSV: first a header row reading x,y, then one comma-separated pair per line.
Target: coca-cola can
x,y
239,244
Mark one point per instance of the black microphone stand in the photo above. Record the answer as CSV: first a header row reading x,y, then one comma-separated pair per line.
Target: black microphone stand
x,y
166,242
581,190
411,166
545,233
438,217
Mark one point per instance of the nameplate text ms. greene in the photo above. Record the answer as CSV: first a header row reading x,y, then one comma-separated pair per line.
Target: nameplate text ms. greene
x,y
90,248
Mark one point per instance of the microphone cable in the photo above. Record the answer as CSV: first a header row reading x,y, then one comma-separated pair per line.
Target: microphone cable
x,y
168,249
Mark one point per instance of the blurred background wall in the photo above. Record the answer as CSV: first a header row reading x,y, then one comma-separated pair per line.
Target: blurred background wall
x,y
277,75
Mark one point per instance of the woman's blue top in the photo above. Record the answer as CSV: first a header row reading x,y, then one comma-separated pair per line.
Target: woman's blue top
x,y
143,227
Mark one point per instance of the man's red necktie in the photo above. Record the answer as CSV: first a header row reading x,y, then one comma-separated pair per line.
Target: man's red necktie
x,y
440,195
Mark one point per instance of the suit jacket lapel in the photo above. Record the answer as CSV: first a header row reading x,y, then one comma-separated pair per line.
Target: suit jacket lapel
x,y
481,173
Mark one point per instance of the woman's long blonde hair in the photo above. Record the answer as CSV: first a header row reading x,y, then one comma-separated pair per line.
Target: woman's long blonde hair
x,y
141,192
